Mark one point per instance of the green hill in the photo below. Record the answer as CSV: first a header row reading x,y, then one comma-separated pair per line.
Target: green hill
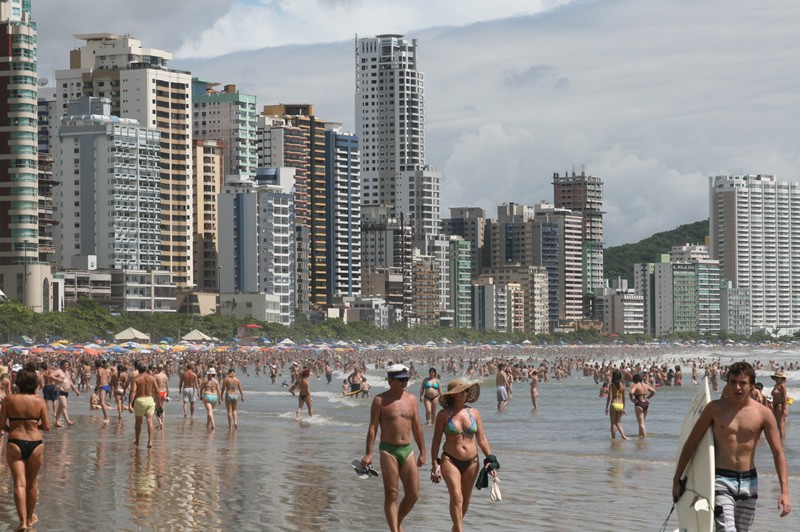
x,y
618,261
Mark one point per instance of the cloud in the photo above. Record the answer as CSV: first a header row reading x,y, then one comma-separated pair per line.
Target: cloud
x,y
534,76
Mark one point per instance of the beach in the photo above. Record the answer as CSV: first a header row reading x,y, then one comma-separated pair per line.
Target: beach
x,y
559,468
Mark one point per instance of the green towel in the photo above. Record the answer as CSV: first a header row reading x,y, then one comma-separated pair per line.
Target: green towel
x,y
490,463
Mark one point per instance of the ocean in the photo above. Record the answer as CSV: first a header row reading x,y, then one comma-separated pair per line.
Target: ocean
x,y
560,471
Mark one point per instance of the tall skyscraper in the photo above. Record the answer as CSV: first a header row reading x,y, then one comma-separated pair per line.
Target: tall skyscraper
x,y
209,178
141,86
583,194
22,275
755,235
343,194
390,123
470,224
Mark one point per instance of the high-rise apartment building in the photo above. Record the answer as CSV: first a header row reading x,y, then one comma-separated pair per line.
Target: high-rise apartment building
x,y
141,86
460,282
533,281
311,203
109,195
209,177
390,123
256,239
583,194
343,195
755,235
497,307
470,224
23,276
228,116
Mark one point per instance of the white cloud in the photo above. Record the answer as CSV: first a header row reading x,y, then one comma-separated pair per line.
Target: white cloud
x,y
258,24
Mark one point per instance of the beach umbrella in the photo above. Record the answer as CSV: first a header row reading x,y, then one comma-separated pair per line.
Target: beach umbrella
x,y
253,326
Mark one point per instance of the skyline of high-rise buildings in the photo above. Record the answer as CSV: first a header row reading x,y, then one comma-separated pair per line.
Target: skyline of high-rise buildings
x,y
359,217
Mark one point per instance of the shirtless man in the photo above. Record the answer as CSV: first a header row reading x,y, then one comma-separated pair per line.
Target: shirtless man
x,y
502,387
396,412
355,380
187,387
232,394
162,380
779,401
103,386
143,400
304,397
737,421
64,384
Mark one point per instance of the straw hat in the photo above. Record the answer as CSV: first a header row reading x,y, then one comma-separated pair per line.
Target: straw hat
x,y
456,386
211,371
780,374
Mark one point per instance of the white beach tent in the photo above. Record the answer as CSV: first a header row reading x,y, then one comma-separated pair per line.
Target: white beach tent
x,y
196,336
131,334
287,341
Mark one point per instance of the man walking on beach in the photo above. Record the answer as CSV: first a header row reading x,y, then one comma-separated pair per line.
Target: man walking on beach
x,y
144,395
103,386
502,387
304,389
396,413
64,385
737,421
187,387
162,381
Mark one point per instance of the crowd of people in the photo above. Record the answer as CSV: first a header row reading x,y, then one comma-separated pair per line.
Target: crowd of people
x,y
35,396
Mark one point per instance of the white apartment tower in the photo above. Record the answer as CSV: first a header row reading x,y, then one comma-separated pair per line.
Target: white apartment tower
x,y
140,86
755,235
109,201
390,123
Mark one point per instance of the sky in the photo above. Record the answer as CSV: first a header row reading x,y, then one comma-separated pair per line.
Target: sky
x,y
652,97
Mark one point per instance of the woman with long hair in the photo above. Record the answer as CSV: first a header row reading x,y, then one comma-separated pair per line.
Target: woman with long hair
x,y
23,414
429,394
615,404
462,428
640,396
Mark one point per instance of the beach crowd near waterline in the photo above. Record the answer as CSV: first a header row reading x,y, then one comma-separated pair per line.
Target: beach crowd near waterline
x,y
561,363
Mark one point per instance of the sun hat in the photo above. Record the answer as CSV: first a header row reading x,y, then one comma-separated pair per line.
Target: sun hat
x,y
397,371
780,374
211,371
456,386
16,367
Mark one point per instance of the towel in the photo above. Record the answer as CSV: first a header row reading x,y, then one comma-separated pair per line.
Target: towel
x,y
490,463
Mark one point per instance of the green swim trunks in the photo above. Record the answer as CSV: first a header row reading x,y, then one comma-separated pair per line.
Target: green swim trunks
x,y
400,452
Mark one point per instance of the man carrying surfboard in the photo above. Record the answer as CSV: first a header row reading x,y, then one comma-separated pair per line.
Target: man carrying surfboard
x,y
396,413
737,422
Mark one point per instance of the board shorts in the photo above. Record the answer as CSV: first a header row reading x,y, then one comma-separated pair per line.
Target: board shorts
x,y
144,406
189,395
502,394
735,494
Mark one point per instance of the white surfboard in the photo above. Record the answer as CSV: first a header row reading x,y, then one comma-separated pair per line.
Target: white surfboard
x,y
696,505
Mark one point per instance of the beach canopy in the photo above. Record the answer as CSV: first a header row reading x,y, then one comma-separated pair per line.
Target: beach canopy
x,y
131,334
287,341
196,336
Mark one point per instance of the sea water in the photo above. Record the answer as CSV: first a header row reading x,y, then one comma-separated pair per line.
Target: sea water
x,y
560,470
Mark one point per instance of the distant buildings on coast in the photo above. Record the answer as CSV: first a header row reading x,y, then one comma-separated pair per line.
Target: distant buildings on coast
x,y
150,189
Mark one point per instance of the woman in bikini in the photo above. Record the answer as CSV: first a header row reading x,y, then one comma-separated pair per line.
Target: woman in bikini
x,y
640,395
210,395
119,381
615,404
232,393
463,431
23,414
429,394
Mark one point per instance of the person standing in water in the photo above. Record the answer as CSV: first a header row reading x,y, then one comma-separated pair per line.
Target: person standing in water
x,y
304,393
640,396
396,413
615,404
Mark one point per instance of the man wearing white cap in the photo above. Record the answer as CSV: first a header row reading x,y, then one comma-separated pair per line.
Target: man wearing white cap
x,y
397,414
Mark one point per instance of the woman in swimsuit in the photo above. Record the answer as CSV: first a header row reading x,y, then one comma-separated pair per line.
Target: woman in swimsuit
x,y
119,380
779,401
210,396
232,393
23,414
429,394
615,404
640,395
463,430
